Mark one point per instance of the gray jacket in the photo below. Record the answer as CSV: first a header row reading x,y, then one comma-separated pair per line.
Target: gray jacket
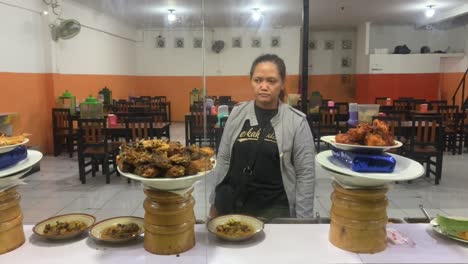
x,y
295,146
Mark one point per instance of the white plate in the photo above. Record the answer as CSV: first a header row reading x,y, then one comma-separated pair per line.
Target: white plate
x,y
350,147
34,157
168,184
87,219
256,224
435,227
405,169
8,148
12,179
97,229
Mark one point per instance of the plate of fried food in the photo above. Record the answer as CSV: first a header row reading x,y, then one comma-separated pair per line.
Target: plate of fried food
x,y
164,165
365,138
452,227
64,226
235,227
7,144
118,229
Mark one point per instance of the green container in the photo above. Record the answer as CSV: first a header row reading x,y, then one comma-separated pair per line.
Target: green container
x,y
91,108
106,96
68,101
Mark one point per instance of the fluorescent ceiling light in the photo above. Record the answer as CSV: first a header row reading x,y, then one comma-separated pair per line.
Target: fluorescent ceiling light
x,y
257,14
171,17
430,11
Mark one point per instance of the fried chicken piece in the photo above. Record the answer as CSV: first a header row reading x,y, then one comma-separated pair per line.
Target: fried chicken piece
x,y
124,166
155,145
175,147
135,157
161,160
199,165
194,152
343,139
180,159
207,152
147,171
175,172
374,140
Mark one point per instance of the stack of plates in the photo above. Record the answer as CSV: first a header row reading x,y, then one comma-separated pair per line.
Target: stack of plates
x,y
405,169
11,176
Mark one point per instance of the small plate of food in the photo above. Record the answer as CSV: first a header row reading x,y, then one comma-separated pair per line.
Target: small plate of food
x,y
452,227
7,144
118,229
165,165
235,227
64,226
365,138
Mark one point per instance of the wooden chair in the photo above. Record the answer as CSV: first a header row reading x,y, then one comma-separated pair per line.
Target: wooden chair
x,y
401,105
63,132
381,101
434,105
93,144
139,128
324,125
195,132
343,111
121,106
425,143
453,123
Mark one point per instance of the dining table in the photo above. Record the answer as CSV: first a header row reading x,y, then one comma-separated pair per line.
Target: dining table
x,y
276,244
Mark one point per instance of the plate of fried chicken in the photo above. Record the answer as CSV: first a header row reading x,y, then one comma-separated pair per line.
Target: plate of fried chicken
x,y
164,165
365,138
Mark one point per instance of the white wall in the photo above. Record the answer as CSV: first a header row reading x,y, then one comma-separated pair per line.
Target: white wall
x,y
389,36
23,43
187,61
362,49
322,61
94,52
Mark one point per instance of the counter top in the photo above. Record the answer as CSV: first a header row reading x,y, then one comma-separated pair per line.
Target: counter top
x,y
279,243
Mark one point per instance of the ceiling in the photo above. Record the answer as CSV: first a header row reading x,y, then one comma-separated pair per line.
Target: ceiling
x,y
276,13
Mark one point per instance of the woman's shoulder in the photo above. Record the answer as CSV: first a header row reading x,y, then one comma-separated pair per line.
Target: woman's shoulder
x,y
293,111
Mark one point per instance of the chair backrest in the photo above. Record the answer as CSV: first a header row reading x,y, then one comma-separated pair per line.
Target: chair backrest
x,y
386,109
448,113
140,127
157,117
121,106
223,99
61,119
92,131
434,105
401,114
325,102
381,100
426,130
328,115
415,103
401,105
394,124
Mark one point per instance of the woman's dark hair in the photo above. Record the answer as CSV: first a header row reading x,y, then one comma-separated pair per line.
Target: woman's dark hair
x,y
275,60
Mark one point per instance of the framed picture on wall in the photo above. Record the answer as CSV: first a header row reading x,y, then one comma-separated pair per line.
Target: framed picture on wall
x,y
237,42
197,43
347,44
312,44
179,43
346,62
329,44
256,42
275,42
160,42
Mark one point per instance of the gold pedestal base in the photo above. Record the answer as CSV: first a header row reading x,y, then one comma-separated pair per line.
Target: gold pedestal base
x,y
169,222
11,221
358,219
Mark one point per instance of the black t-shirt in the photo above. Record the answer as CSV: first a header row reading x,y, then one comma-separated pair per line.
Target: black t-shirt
x,y
265,189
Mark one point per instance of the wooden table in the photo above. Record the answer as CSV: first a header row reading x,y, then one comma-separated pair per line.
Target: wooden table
x,y
277,244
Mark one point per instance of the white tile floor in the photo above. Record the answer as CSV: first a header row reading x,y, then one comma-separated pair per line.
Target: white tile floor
x,y
56,189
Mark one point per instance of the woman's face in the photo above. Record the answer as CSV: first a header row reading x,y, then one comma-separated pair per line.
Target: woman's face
x,y
267,85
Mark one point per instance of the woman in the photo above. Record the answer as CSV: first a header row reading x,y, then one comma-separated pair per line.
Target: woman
x,y
265,163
